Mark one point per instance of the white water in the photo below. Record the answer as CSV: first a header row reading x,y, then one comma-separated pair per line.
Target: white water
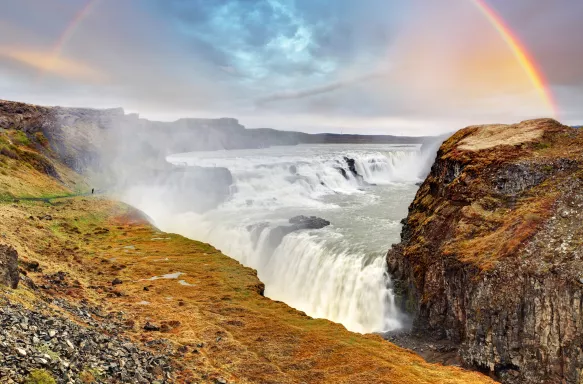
x,y
338,272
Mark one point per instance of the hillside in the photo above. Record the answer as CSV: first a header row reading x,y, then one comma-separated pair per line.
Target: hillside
x,y
103,296
490,253
91,138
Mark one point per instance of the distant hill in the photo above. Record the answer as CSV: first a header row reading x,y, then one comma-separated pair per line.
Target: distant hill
x,y
91,138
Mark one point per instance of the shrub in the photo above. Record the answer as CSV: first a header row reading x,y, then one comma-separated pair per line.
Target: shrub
x,y
39,376
9,152
42,140
542,145
90,375
20,137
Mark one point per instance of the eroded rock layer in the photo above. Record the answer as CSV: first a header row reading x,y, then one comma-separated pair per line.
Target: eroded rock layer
x,y
491,251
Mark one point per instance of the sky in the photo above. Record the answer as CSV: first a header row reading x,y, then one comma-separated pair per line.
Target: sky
x,y
406,67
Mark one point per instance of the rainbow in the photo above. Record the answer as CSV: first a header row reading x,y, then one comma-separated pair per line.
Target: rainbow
x,y
521,53
68,33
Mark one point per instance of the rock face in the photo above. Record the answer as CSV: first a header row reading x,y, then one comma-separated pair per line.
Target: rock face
x,y
8,266
491,256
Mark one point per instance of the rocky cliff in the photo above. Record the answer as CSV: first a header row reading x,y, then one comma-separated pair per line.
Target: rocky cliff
x,y
491,251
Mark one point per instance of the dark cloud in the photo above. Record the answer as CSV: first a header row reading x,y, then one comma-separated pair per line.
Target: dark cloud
x,y
305,93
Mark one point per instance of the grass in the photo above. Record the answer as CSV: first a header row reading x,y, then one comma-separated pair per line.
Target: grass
x,y
261,340
20,138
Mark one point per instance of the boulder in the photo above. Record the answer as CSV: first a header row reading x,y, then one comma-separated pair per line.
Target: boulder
x,y
8,266
308,222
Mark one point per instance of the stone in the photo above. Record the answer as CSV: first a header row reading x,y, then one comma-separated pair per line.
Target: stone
x,y
9,266
151,327
116,281
297,223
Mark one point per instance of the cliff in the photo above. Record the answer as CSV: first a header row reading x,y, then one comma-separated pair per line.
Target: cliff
x,y
491,254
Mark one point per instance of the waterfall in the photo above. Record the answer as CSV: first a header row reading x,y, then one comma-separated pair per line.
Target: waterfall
x,y
337,272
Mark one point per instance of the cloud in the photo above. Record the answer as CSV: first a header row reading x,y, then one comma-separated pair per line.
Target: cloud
x,y
303,93
304,64
48,63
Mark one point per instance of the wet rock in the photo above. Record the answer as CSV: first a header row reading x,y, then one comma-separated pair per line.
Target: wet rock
x,y
351,166
308,222
9,266
297,223
342,172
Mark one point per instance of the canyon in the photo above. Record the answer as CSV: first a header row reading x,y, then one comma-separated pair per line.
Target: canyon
x,y
489,260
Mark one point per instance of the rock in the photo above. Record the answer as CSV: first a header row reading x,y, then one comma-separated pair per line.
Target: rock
x,y
311,222
351,166
151,327
116,281
31,266
488,258
301,222
343,172
79,347
9,266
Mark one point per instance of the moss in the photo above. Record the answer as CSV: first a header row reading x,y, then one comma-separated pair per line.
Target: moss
x,y
39,376
52,354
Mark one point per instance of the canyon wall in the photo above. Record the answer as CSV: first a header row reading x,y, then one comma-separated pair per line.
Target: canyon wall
x,y
491,251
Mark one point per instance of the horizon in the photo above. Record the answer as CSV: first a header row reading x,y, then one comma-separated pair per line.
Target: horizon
x,y
376,68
